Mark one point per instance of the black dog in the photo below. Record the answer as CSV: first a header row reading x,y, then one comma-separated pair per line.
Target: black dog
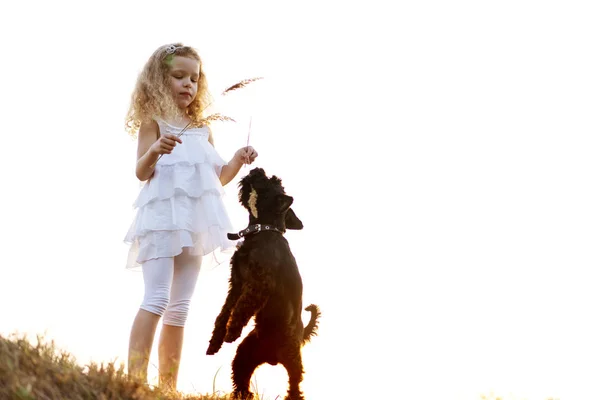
x,y
265,283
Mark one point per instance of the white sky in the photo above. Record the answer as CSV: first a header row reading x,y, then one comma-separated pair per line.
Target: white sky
x,y
442,156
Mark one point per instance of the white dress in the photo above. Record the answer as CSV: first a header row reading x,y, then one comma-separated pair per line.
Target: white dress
x,y
181,204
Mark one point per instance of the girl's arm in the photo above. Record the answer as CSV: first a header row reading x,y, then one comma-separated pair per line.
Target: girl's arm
x,y
150,146
230,170
241,157
147,135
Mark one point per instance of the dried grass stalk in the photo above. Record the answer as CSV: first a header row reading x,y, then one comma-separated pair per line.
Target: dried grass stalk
x,y
240,85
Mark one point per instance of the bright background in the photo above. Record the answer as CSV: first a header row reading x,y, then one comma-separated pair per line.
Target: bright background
x,y
443,157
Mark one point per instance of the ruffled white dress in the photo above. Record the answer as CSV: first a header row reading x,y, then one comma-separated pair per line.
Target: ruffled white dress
x,y
181,204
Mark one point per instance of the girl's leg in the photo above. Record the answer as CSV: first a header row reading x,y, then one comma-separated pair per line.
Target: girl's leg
x,y
185,276
140,344
170,346
158,276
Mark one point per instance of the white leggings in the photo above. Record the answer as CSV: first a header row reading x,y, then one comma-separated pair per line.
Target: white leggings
x,y
169,284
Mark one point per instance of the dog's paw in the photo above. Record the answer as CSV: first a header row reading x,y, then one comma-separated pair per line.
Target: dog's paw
x,y
294,396
213,348
243,395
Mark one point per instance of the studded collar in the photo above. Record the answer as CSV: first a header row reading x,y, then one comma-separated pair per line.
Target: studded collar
x,y
252,229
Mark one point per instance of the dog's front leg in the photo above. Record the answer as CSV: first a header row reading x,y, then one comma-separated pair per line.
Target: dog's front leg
x,y
253,298
216,341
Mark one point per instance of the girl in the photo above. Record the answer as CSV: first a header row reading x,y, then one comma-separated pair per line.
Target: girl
x,y
180,216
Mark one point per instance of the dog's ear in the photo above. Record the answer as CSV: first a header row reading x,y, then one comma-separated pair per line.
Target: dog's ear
x,y
244,190
284,201
292,221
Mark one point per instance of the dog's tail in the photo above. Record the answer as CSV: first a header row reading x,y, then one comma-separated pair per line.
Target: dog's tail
x,y
311,328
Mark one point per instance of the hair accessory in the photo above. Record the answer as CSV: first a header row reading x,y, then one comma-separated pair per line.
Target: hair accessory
x,y
172,48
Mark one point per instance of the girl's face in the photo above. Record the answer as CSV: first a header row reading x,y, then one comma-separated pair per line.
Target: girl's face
x,y
183,79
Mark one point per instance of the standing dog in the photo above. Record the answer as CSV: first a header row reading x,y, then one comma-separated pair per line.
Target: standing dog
x,y
265,283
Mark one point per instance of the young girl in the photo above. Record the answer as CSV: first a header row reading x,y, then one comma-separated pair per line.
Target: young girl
x,y
180,216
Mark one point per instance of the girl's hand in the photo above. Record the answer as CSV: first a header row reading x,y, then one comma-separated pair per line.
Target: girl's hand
x,y
246,155
165,144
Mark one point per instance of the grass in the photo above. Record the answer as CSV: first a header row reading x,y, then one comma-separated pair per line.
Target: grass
x,y
41,371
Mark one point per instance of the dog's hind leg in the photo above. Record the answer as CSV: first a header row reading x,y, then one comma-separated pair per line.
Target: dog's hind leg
x,y
292,361
247,359
252,299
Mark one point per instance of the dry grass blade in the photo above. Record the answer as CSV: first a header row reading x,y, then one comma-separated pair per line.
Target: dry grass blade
x,y
241,84
216,117
202,122
185,128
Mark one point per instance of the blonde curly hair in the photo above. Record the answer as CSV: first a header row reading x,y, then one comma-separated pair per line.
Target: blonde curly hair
x,y
152,97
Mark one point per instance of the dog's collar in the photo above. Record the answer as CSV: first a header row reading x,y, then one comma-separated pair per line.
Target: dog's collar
x,y
252,229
